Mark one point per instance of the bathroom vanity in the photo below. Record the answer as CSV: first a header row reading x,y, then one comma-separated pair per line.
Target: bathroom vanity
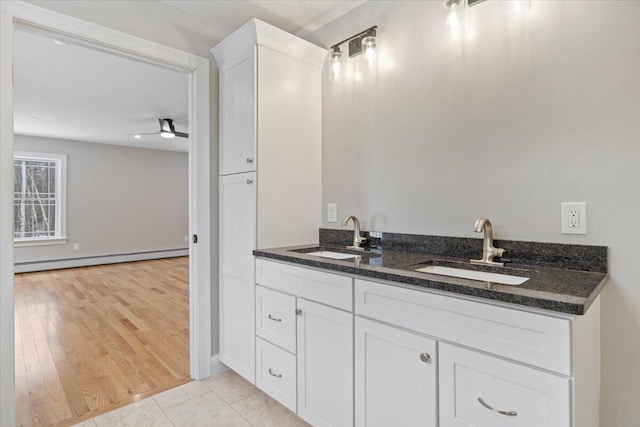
x,y
370,341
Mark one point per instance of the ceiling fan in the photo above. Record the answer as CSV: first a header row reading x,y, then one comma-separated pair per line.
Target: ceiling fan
x,y
167,130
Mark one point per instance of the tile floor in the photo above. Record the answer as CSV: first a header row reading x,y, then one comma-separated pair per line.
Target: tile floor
x,y
225,400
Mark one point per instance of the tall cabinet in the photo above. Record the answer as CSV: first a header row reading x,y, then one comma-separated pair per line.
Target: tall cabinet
x,y
270,141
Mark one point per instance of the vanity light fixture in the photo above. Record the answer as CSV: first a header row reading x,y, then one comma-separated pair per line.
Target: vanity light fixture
x,y
365,42
336,64
369,47
455,24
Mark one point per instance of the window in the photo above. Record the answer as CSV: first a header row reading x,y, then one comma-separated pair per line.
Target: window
x,y
38,198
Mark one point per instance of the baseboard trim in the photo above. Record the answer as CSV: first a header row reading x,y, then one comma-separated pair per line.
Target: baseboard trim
x,y
217,367
31,266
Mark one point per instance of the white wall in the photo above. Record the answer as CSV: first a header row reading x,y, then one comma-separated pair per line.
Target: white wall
x,y
507,125
120,200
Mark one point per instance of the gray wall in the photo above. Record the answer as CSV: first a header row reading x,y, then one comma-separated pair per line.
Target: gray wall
x,y
119,200
507,125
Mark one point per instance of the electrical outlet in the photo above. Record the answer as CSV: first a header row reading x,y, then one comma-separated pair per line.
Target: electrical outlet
x,y
332,212
574,218
76,246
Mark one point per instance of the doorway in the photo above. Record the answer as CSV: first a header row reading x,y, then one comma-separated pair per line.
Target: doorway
x,y
23,16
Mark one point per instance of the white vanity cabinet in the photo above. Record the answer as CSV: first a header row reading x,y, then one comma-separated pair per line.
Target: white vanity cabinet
x,y
270,136
497,365
305,342
418,357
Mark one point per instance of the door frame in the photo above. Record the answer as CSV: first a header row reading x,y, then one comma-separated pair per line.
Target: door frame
x,y
16,14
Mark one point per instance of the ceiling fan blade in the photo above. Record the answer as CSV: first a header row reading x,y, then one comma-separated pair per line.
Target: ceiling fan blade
x,y
182,134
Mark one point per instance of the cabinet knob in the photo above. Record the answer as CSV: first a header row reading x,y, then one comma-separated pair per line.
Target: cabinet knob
x,y
425,357
298,312
249,160
249,181
274,375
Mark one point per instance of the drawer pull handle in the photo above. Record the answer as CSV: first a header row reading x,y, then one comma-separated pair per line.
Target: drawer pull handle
x,y
425,357
298,312
274,375
497,411
249,181
275,319
249,160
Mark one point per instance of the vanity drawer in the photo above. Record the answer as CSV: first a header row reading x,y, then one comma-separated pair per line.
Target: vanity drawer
x,y
483,391
276,373
535,339
276,318
327,288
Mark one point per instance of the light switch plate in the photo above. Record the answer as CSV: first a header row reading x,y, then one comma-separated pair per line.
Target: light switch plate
x,y
332,212
574,218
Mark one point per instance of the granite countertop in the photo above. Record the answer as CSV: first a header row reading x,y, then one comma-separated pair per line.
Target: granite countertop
x,y
562,290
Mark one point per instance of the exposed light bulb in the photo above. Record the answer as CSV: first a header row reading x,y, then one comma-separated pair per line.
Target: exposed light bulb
x,y
167,134
336,66
453,22
520,7
369,51
455,18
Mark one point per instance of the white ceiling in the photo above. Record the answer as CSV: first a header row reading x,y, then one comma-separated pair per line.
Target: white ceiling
x,y
297,17
82,94
87,95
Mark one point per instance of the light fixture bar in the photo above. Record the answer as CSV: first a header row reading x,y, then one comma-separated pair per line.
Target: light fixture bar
x,y
452,4
355,41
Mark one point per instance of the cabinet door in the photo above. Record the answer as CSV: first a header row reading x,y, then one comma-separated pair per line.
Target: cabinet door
x,y
395,377
325,365
238,118
484,391
237,284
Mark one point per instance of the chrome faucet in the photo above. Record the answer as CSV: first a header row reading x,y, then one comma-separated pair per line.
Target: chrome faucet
x,y
358,240
488,250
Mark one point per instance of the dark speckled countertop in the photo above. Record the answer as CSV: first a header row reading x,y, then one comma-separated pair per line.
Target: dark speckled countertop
x,y
563,289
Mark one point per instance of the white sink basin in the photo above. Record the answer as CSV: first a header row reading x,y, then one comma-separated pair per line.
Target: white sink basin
x,y
503,279
333,255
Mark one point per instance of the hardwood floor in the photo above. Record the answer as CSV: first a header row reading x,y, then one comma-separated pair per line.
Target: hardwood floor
x,y
89,340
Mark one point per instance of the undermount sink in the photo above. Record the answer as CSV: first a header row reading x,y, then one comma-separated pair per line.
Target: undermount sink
x,y
332,255
483,276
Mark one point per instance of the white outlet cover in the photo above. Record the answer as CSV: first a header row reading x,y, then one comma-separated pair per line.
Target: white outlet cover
x,y
574,218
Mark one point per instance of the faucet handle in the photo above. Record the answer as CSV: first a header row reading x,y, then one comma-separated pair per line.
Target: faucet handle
x,y
500,252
